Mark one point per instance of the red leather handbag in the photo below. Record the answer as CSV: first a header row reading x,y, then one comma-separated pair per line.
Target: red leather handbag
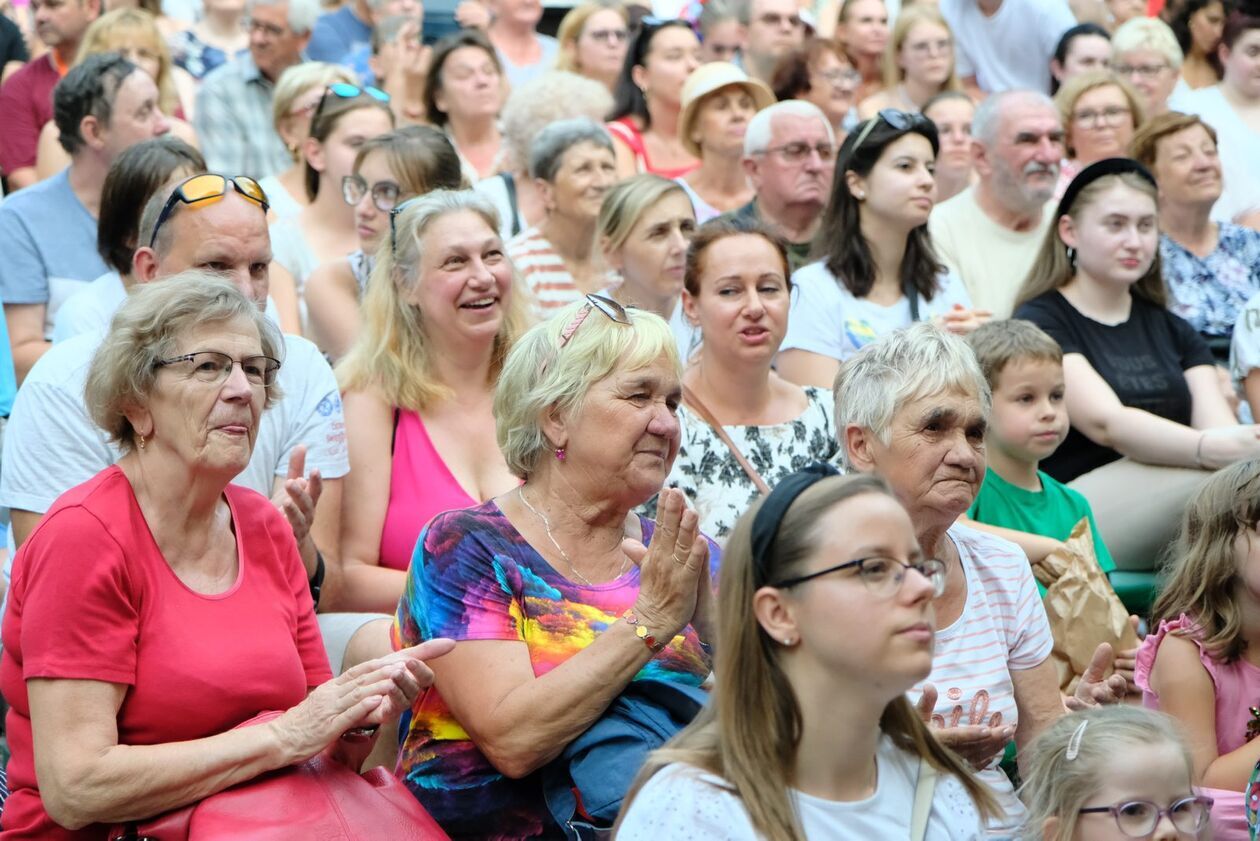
x,y
317,799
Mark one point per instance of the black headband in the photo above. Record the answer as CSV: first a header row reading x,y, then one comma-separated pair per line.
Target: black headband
x,y
766,524
1096,170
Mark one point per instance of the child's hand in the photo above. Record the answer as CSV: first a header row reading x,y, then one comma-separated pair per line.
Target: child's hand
x,y
961,321
1094,688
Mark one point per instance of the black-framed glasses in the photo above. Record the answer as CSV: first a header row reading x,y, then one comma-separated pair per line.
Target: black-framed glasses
x,y
882,576
345,90
207,187
898,120
795,153
213,368
1138,818
384,193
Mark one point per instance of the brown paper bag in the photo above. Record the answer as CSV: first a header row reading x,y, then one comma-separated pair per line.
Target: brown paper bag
x,y
1083,609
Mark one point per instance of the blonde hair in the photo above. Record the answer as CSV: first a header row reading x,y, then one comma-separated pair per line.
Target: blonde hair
x,y
1143,33
751,731
1052,269
1201,574
1081,84
146,329
113,31
626,201
908,19
392,353
1067,764
540,376
572,24
299,79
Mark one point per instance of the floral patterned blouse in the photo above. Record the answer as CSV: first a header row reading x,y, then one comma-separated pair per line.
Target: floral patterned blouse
x,y
719,488
1210,292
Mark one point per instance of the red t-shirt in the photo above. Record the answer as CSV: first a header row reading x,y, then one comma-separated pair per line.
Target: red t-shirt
x,y
26,103
92,598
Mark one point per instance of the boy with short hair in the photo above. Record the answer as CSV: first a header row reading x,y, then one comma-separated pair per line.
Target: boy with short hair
x,y
1029,421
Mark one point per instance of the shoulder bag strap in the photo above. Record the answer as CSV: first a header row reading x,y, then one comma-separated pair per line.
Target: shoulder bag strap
x,y
923,792
913,295
693,402
509,184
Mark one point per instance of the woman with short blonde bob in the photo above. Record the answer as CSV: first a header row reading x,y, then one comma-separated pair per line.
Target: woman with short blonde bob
x,y
918,63
825,604
441,312
1100,113
594,37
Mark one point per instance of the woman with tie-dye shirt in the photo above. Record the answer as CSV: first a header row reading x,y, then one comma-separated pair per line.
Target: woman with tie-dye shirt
x,y
557,595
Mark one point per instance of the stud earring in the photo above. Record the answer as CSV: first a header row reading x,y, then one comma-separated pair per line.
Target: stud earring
x,y
560,453
860,196
789,641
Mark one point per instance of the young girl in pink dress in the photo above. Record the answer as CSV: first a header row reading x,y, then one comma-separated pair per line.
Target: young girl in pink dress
x,y
1200,665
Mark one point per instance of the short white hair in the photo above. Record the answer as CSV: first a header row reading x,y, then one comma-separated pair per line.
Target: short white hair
x,y
761,127
905,365
988,116
302,13
1144,33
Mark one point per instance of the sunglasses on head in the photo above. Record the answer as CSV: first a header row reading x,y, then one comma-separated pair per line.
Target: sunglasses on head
x,y
611,309
897,120
345,90
209,187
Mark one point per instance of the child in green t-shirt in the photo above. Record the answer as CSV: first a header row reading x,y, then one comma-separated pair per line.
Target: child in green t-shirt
x,y
1024,367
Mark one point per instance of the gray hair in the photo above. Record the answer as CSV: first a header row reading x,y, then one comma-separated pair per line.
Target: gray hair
x,y
905,365
761,127
147,328
548,98
548,148
987,120
388,29
302,13
715,12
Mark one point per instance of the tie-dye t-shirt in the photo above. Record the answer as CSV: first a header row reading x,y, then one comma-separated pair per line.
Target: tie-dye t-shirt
x,y
474,577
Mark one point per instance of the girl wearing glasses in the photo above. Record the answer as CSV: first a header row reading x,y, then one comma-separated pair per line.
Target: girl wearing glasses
x,y
388,171
918,62
1201,666
593,38
324,230
825,604
1101,113
1112,774
877,270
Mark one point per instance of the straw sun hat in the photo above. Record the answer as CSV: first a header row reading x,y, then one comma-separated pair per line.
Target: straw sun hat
x,y
706,79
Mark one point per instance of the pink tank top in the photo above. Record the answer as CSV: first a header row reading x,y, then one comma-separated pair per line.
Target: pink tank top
x,y
627,132
1237,686
420,487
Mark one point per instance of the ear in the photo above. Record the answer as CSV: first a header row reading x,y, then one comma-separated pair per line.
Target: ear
x,y
314,153
1050,829
302,41
140,419
1222,52
1067,231
775,614
690,308
751,169
980,158
859,443
855,183
144,264
555,427
1056,69
638,75
612,257
92,132
376,66
546,192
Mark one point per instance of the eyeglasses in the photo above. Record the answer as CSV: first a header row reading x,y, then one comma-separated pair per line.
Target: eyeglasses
x,y
777,20
794,153
613,310
384,193
271,30
1144,71
609,36
208,187
898,120
882,576
213,368
345,90
842,77
1112,115
1138,818
940,46
393,225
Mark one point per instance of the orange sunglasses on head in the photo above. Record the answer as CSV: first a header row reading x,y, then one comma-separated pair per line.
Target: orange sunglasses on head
x,y
208,187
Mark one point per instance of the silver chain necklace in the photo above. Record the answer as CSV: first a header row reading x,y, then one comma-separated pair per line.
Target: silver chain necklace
x,y
520,492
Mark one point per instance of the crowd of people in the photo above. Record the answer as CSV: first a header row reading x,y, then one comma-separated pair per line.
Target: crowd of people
x,y
662,429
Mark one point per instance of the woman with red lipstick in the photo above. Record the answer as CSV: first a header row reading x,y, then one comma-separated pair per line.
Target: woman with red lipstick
x,y
743,426
1142,390
826,616
441,311
388,170
877,270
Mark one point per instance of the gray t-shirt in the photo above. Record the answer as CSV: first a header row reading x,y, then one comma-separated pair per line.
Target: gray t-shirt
x,y
517,76
48,243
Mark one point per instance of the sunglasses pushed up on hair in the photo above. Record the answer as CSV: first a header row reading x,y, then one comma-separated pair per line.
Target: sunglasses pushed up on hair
x,y
897,120
208,187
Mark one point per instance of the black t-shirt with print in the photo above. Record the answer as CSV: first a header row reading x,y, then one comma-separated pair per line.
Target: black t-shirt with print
x,y
1142,359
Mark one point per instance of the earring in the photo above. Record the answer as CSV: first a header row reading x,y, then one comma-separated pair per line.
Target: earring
x,y
859,196
1071,255
789,641
141,442
559,453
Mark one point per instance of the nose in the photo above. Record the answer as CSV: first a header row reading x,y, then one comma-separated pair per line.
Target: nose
x,y
677,241
162,125
692,64
236,386
963,453
366,206
916,587
1165,831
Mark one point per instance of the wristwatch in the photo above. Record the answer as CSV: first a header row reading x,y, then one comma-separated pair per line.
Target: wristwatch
x,y
642,633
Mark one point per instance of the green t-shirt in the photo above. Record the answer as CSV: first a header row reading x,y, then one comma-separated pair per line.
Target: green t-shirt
x,y
1051,512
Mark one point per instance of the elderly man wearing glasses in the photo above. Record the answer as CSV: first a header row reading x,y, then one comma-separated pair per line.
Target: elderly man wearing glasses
x,y
789,157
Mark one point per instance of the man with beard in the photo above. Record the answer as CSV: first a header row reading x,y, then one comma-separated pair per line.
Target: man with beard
x,y
989,234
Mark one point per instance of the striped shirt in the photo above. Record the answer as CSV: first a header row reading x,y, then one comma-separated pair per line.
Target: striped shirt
x,y
1003,628
235,124
544,272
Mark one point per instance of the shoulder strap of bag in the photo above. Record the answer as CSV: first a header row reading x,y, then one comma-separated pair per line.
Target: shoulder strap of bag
x,y
509,184
693,402
913,295
923,792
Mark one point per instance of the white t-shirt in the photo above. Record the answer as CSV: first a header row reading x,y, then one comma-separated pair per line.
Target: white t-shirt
x,y
827,319
1244,347
1003,628
681,802
1239,149
992,260
51,445
1012,49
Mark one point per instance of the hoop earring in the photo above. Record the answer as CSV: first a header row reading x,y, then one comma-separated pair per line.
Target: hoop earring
x,y
1071,255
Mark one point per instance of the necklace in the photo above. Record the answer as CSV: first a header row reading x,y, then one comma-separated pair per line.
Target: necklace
x,y
520,492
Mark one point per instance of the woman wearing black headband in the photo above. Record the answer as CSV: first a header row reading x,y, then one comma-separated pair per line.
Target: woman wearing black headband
x,y
826,616
1142,390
